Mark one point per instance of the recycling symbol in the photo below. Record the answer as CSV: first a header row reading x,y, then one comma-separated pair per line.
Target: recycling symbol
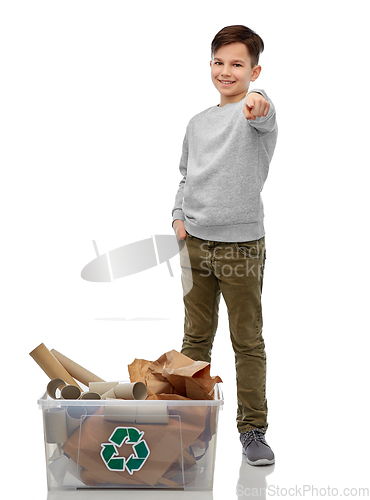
x,y
136,460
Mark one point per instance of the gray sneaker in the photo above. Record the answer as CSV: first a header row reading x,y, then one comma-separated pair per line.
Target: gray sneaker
x,y
255,447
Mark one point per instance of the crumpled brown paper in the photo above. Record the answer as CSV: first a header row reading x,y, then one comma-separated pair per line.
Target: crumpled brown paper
x,y
176,374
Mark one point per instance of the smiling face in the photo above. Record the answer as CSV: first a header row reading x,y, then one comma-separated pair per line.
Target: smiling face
x,y
231,72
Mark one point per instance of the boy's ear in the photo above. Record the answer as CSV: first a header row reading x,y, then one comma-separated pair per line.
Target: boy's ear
x,y
256,72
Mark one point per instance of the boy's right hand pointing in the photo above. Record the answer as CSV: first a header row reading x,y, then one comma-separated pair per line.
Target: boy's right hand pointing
x,y
179,229
255,105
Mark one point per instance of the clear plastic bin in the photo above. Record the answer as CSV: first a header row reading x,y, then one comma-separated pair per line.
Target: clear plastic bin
x,y
130,443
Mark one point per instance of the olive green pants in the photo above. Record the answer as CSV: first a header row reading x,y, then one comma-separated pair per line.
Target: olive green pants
x,y
236,271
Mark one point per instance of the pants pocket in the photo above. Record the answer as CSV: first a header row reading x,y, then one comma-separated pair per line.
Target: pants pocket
x,y
249,249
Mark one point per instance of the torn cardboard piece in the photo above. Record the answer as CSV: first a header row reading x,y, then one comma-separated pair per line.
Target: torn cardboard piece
x,y
175,373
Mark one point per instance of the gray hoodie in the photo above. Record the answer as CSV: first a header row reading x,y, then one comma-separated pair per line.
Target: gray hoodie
x,y
224,164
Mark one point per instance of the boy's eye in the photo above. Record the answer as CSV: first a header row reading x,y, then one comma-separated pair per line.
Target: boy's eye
x,y
219,62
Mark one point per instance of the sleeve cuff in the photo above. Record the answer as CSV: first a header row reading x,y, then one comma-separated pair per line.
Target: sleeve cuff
x,y
259,91
177,214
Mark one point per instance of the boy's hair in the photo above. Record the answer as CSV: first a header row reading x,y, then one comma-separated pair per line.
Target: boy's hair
x,y
239,33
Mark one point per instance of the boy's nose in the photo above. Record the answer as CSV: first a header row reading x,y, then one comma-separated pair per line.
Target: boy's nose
x,y
225,71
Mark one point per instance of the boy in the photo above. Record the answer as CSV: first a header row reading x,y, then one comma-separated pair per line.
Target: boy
x,y
218,214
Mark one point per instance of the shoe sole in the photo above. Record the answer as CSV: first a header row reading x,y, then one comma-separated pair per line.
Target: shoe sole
x,y
261,461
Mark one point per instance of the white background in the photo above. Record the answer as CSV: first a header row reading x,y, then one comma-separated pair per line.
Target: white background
x,y
95,99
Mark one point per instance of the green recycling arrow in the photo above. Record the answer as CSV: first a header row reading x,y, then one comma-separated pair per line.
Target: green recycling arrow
x,y
135,463
119,435
108,451
117,464
134,435
136,460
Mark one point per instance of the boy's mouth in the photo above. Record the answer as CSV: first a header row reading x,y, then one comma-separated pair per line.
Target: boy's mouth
x,y
226,83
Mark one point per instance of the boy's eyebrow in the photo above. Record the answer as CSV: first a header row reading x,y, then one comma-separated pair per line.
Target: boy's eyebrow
x,y
233,60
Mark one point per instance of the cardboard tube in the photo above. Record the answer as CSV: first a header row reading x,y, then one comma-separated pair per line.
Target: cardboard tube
x,y
90,395
152,414
101,387
53,385
120,413
51,366
70,392
136,390
74,414
109,394
55,425
157,414
77,371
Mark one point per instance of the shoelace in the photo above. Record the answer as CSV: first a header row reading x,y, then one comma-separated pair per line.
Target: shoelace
x,y
253,435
